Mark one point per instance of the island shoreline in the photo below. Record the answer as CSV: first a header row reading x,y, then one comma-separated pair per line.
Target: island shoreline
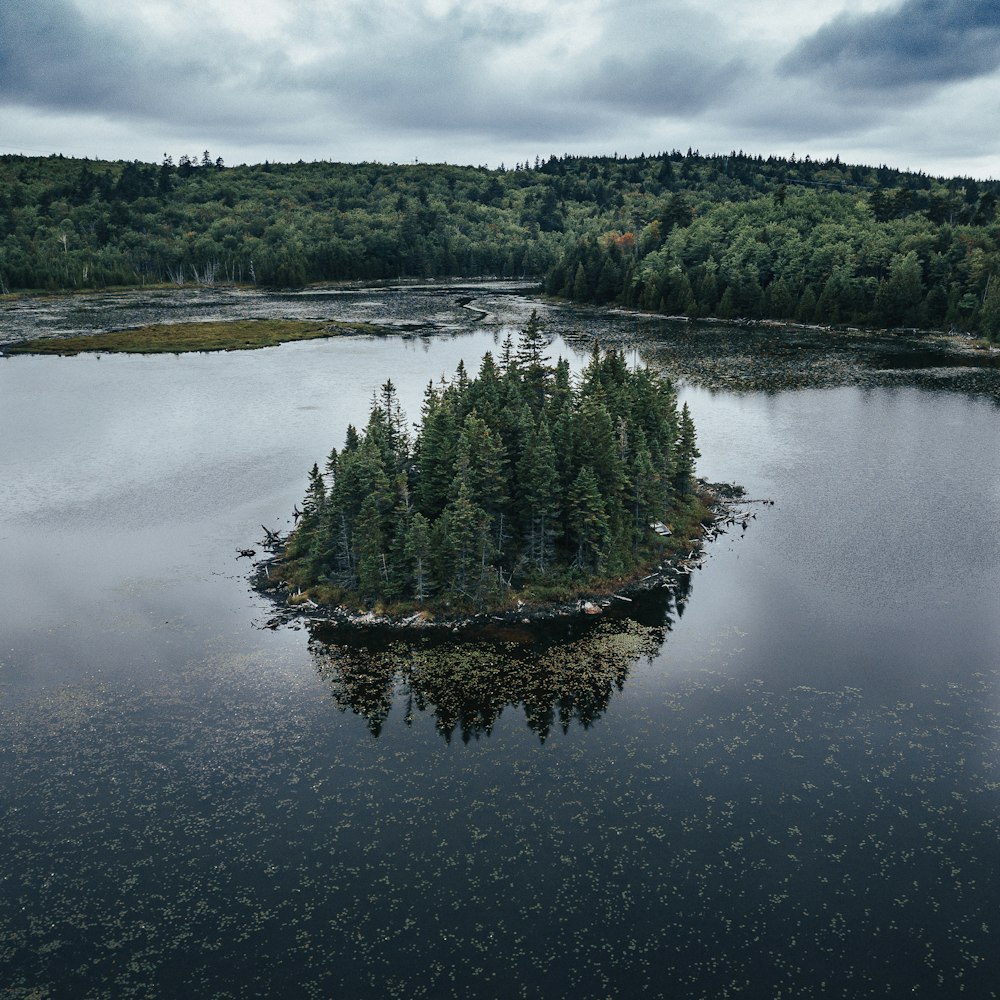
x,y
725,503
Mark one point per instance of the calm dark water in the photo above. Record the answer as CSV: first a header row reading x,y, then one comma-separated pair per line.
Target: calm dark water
x,y
782,782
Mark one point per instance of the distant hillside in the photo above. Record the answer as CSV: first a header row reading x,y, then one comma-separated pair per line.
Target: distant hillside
x,y
729,236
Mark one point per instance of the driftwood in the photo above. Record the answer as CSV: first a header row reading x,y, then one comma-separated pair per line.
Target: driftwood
x,y
246,553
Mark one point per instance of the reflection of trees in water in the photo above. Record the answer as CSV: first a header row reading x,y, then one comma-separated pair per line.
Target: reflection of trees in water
x,y
466,685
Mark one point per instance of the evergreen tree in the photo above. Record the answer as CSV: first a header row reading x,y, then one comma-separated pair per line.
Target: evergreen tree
x,y
436,453
306,539
805,312
418,555
481,463
901,295
466,547
531,344
315,498
596,445
560,479
643,487
587,521
990,313
371,559
532,363
687,453
539,475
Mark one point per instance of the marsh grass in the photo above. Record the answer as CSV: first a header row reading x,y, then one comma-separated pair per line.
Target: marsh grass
x,y
178,338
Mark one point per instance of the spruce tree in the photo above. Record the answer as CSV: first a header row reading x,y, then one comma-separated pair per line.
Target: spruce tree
x,y
687,452
587,521
466,546
436,456
418,555
539,476
596,445
643,486
370,551
481,460
547,479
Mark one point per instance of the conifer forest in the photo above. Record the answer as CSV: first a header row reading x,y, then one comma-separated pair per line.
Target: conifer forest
x,y
516,475
730,236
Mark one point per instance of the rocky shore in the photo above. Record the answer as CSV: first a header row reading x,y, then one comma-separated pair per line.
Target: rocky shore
x,y
727,503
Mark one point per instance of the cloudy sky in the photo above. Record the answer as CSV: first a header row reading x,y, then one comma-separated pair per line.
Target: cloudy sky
x,y
911,83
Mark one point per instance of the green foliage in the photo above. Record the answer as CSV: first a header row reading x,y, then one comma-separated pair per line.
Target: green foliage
x,y
481,502
733,235
814,242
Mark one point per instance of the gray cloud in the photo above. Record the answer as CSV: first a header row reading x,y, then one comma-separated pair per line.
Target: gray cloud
x,y
474,71
919,45
491,80
52,57
477,73
663,81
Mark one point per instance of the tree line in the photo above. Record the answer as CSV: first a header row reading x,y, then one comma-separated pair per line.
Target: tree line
x,y
809,256
516,475
730,235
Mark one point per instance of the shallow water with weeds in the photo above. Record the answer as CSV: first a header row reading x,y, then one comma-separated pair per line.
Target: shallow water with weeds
x,y
781,780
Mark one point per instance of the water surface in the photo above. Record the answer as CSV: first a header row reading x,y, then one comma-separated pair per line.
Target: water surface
x,y
780,782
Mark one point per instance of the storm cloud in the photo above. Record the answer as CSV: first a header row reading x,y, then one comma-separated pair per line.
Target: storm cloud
x,y
485,81
921,44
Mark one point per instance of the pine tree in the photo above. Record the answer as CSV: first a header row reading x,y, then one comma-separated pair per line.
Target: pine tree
x,y
587,521
436,453
371,560
596,446
395,428
539,476
306,540
315,498
532,364
557,479
901,295
531,343
507,356
466,546
687,452
481,462
485,393
805,312
418,555
643,486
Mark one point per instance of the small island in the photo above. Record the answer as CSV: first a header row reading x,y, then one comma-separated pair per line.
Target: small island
x,y
521,488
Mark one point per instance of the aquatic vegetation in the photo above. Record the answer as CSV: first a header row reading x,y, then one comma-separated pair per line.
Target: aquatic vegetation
x,y
807,842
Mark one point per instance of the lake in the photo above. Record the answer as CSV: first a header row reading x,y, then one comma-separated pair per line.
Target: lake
x,y
782,780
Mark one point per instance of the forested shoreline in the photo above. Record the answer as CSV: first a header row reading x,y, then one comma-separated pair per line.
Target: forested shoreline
x,y
520,482
731,236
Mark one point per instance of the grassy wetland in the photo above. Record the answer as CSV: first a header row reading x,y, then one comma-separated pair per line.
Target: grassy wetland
x,y
179,338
